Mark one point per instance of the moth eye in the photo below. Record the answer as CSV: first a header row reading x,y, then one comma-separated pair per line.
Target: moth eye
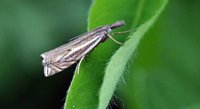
x,y
44,62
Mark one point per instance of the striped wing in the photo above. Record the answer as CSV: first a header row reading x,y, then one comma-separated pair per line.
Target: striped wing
x,y
63,57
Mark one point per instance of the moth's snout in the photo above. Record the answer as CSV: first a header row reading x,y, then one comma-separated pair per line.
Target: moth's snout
x,y
44,62
46,73
49,70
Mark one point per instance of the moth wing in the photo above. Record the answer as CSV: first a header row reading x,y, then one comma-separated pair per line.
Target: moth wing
x,y
64,56
56,67
69,58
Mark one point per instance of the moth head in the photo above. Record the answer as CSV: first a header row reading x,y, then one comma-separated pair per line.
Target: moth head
x,y
45,63
45,60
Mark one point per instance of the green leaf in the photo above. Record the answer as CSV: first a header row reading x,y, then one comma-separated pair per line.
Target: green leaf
x,y
91,89
121,58
165,74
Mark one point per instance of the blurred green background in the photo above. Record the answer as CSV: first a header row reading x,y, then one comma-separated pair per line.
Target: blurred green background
x,y
166,69
27,29
170,52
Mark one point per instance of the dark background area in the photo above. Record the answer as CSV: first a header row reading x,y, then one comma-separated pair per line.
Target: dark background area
x,y
27,29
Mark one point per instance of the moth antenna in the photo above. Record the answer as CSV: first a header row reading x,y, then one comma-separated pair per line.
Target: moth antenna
x,y
79,64
117,24
114,39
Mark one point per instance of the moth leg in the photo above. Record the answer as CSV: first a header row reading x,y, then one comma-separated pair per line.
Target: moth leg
x,y
79,64
114,39
123,32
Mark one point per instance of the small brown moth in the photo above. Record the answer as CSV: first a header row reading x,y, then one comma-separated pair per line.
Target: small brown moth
x,y
60,58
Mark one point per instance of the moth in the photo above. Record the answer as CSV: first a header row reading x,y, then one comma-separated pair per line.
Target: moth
x,y
64,56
